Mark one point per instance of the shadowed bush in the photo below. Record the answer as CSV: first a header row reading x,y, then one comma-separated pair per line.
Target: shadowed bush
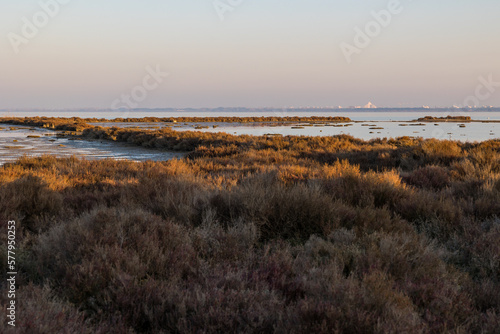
x,y
30,201
433,177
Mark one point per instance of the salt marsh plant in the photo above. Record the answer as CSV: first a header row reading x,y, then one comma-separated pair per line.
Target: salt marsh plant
x,y
259,234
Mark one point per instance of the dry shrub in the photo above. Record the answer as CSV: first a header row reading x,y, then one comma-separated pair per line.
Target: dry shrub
x,y
491,322
217,151
346,183
420,205
215,243
156,306
441,151
484,252
170,198
295,213
40,312
487,205
106,246
487,158
430,177
87,197
486,295
341,168
29,201
396,283
280,211
346,302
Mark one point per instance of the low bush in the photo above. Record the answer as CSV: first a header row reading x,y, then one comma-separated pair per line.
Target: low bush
x,y
431,177
30,201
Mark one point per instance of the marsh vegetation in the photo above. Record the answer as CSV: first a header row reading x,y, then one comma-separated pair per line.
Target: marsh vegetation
x,y
258,234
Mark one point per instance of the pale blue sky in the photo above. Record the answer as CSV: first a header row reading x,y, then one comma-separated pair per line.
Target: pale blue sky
x,y
264,53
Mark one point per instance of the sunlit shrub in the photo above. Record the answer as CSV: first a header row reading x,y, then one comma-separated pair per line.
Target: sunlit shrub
x,y
443,151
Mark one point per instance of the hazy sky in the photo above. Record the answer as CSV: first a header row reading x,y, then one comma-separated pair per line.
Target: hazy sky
x,y
263,53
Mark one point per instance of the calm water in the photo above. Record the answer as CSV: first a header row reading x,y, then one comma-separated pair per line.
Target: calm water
x,y
363,130
20,141
401,115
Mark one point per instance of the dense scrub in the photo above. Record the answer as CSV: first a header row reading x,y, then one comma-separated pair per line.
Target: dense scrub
x,y
54,123
259,234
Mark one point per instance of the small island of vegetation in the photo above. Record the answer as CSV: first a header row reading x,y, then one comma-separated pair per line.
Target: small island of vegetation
x,y
445,119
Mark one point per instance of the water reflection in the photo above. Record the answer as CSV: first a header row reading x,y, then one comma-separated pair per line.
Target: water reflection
x,y
475,131
17,141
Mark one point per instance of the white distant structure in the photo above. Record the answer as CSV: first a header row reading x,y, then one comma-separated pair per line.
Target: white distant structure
x,y
370,106
426,107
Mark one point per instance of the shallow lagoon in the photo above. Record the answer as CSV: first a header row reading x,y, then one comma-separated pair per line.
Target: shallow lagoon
x,y
365,125
474,131
17,141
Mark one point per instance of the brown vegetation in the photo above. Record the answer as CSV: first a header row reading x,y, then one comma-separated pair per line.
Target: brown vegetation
x,y
53,123
259,234
445,119
77,123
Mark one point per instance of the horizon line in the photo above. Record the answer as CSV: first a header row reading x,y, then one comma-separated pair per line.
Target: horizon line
x,y
245,108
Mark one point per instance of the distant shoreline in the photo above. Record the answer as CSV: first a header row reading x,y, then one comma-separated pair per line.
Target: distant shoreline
x,y
266,109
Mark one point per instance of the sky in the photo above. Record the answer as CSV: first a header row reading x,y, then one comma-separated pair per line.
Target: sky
x,y
248,53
